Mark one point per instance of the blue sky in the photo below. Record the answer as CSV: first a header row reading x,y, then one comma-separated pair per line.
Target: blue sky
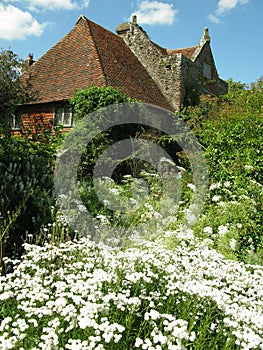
x,y
235,26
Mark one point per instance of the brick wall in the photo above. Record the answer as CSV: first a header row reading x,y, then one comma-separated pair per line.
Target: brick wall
x,y
35,119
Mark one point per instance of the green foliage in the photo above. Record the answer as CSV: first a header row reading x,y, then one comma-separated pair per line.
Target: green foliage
x,y
230,130
86,101
191,94
231,133
89,100
26,178
12,90
235,86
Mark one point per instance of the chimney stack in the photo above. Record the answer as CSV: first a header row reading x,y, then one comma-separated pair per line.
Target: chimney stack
x,y
206,37
124,28
134,19
30,60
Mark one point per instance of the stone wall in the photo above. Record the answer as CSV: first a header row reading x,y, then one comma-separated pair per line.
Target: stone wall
x,y
177,76
214,85
163,69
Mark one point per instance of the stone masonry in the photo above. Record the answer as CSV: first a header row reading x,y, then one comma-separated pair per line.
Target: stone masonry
x,y
176,72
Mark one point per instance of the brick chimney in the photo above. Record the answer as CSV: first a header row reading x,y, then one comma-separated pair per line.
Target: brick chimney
x,y
30,60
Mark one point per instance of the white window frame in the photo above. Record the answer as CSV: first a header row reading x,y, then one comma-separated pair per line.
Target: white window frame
x,y
207,71
15,122
64,116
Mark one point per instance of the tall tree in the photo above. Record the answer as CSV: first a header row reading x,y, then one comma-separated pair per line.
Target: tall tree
x,y
12,91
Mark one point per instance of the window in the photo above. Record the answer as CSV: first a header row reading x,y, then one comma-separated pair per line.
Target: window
x,y
207,71
15,122
64,116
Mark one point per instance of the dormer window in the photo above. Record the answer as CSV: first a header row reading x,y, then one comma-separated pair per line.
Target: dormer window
x,y
207,71
64,116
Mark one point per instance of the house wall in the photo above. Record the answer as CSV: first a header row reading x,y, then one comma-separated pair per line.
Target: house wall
x,y
176,75
164,70
214,85
35,119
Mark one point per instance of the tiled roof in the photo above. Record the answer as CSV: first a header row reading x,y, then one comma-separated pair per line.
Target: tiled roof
x,y
91,55
188,52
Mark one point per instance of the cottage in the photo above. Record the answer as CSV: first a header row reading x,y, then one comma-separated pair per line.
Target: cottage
x,y
90,55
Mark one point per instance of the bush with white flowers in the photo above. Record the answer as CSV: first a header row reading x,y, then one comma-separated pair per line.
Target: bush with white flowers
x,y
80,295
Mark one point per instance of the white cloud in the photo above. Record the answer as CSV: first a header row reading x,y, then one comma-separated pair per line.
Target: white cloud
x,y
223,6
34,5
57,4
155,12
18,24
51,4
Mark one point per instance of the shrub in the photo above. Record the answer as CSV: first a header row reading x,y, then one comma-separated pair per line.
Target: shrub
x,y
26,179
230,130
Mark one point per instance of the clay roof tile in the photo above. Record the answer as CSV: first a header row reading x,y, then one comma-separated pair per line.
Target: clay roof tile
x,y
188,51
91,55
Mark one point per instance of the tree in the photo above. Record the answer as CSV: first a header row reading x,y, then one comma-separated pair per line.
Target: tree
x,y
12,91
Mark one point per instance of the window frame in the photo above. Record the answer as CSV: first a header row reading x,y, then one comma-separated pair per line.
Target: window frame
x,y
62,114
15,121
207,70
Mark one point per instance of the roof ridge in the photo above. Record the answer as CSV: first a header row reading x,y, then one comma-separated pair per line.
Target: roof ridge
x,y
96,47
88,22
80,18
184,48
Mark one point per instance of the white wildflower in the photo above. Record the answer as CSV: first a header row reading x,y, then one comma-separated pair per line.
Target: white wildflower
x,y
216,198
214,186
248,167
114,190
208,229
233,244
138,342
222,230
82,208
192,187
149,206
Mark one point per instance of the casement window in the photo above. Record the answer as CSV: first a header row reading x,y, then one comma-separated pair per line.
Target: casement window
x,y
15,122
64,116
207,71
